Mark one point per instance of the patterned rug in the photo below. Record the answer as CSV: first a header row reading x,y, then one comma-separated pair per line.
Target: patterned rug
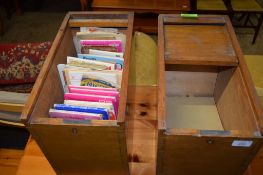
x,y
20,65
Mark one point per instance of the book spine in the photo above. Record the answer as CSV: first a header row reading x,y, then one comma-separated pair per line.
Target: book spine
x,y
92,88
105,53
119,62
92,64
102,111
96,92
110,43
94,98
74,115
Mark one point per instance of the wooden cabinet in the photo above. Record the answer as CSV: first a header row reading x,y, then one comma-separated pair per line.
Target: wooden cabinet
x,y
208,114
146,12
97,147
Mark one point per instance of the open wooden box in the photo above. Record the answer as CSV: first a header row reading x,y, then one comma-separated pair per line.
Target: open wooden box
x,y
208,113
93,147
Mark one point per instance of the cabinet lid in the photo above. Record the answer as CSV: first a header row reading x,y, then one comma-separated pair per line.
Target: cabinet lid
x,y
205,40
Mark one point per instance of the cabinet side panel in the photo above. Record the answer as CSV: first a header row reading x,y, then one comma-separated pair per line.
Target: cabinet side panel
x,y
52,91
82,149
233,103
60,38
194,155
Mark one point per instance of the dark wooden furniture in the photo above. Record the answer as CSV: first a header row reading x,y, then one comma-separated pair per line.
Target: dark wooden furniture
x,y
243,14
209,116
251,15
146,12
210,7
76,148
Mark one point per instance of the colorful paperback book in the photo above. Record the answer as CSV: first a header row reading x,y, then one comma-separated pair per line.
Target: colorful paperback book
x,y
102,111
93,98
95,36
108,106
91,36
90,64
118,61
73,115
93,88
108,45
98,29
102,31
61,68
95,92
77,44
105,53
94,82
106,78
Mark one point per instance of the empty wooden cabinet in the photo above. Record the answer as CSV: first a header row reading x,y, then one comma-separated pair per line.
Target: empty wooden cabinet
x,y
208,112
91,147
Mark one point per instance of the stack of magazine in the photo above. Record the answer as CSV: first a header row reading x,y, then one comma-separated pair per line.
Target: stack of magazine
x,y
92,80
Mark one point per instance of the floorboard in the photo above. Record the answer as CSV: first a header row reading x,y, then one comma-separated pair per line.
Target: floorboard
x,y
9,161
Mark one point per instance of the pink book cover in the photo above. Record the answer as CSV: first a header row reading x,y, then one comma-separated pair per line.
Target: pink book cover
x,y
73,115
94,98
92,88
95,92
111,43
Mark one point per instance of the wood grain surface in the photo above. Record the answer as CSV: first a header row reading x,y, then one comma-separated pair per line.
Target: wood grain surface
x,y
9,160
142,6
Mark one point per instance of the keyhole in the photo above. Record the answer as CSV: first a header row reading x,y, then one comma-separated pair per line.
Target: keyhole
x,y
74,131
210,141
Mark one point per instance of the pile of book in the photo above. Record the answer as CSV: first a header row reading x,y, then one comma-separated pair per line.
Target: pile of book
x,y
92,80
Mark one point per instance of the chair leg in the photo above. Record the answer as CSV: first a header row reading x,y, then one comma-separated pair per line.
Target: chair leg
x,y
260,20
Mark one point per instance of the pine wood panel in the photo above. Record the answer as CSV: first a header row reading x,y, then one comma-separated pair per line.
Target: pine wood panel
x,y
161,75
193,84
81,149
143,127
29,106
192,40
257,106
238,114
34,162
44,103
194,155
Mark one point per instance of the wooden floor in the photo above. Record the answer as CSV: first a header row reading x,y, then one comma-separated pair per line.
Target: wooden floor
x,y
9,161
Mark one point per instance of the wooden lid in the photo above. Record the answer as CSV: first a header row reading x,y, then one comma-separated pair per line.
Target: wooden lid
x,y
198,41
